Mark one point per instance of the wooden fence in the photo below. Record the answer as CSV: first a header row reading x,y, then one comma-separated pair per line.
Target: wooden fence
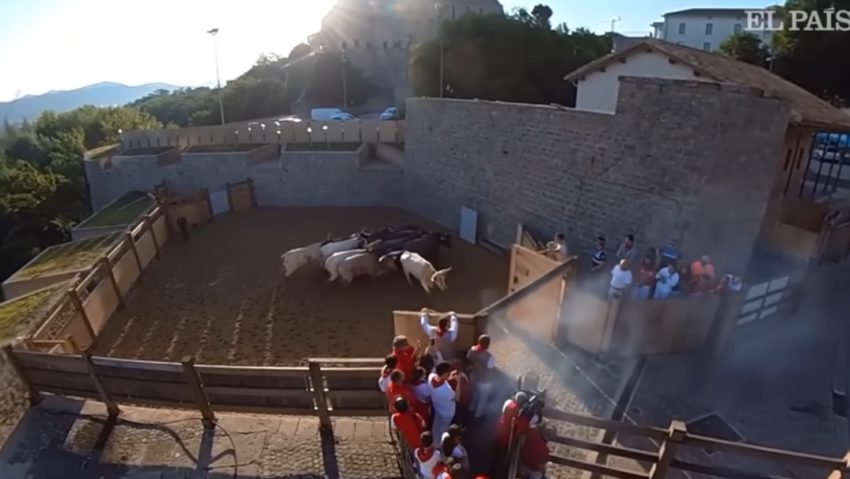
x,y
670,441
97,293
241,196
325,387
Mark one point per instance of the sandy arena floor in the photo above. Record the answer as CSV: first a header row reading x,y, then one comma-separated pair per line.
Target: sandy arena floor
x,y
220,296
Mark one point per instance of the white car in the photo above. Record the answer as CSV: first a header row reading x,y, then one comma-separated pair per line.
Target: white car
x,y
342,117
390,113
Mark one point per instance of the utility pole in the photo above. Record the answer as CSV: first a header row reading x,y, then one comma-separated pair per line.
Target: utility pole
x,y
613,31
214,33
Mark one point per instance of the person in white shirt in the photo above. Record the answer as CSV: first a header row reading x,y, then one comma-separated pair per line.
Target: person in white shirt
x,y
481,363
443,399
443,335
390,364
667,278
427,456
557,248
621,278
451,446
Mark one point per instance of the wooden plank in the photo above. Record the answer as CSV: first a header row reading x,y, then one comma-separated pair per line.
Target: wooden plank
x,y
364,361
342,395
138,365
352,372
111,406
14,360
50,362
358,412
777,455
319,398
583,420
67,392
596,468
259,392
41,379
620,451
720,471
299,371
197,389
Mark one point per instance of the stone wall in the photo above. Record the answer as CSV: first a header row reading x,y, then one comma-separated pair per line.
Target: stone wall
x,y
679,159
292,178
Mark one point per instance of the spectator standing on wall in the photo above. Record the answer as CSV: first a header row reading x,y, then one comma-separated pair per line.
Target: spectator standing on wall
x,y
627,250
443,335
667,278
481,363
621,278
443,399
557,248
598,257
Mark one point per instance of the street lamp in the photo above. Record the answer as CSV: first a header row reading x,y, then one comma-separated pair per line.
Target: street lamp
x,y
439,7
344,61
214,33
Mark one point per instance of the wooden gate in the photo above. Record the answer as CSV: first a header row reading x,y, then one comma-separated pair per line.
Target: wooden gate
x,y
540,311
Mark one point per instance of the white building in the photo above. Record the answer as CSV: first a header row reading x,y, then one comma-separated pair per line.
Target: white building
x,y
706,28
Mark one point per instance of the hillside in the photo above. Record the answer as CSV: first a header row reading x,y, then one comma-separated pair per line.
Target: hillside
x,y
99,94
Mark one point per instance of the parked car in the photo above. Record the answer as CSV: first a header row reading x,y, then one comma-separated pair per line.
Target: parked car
x,y
390,113
327,114
343,117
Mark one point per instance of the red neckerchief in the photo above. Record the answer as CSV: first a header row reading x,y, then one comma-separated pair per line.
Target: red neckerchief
x,y
441,331
385,372
422,457
439,469
477,348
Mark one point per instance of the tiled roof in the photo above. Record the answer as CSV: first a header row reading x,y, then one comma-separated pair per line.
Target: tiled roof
x,y
806,107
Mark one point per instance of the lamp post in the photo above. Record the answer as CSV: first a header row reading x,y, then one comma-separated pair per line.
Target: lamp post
x,y
214,33
439,7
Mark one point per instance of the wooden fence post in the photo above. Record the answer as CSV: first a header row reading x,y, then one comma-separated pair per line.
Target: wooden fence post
x,y
675,435
318,383
111,407
229,198
839,473
149,226
253,193
128,237
198,392
78,304
33,394
107,265
206,193
71,344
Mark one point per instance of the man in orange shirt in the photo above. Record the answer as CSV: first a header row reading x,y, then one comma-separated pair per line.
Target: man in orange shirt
x,y
408,424
702,275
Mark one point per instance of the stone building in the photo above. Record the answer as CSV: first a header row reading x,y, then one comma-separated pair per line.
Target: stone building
x,y
378,36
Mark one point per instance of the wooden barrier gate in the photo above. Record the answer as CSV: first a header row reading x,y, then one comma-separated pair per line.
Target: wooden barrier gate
x,y
540,311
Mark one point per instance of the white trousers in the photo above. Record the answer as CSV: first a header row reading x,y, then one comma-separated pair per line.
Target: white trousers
x,y
440,426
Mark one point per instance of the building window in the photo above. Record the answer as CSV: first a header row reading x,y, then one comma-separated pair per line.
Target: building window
x,y
682,28
709,28
738,28
706,46
825,174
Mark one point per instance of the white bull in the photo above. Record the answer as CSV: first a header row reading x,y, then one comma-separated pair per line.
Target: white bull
x,y
364,264
345,245
332,263
420,268
296,258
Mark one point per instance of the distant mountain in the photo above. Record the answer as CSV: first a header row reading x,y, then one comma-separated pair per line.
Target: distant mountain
x,y
99,94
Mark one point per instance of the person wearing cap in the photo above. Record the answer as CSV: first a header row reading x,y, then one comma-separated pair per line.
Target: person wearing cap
x,y
407,423
427,456
481,363
442,336
443,399
405,355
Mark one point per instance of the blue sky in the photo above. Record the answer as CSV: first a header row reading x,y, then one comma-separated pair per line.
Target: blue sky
x,y
63,44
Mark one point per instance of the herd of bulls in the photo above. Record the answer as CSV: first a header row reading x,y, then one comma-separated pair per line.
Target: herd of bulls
x,y
408,249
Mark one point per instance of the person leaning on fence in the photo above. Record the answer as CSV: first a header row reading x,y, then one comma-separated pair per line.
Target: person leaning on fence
x,y
427,456
645,280
443,399
443,335
407,423
481,363
557,248
534,454
390,363
621,278
702,276
666,279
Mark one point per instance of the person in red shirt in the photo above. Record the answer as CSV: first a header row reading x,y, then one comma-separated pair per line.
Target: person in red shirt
x,y
534,454
408,424
460,382
399,388
405,355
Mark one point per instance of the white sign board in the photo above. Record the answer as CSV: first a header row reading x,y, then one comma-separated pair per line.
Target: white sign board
x,y
468,225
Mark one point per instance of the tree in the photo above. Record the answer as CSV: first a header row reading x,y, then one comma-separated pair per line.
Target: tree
x,y
512,58
746,47
814,59
328,85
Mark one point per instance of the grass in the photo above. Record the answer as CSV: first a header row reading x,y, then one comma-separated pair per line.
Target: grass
x,y
121,212
73,256
322,146
21,314
242,147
